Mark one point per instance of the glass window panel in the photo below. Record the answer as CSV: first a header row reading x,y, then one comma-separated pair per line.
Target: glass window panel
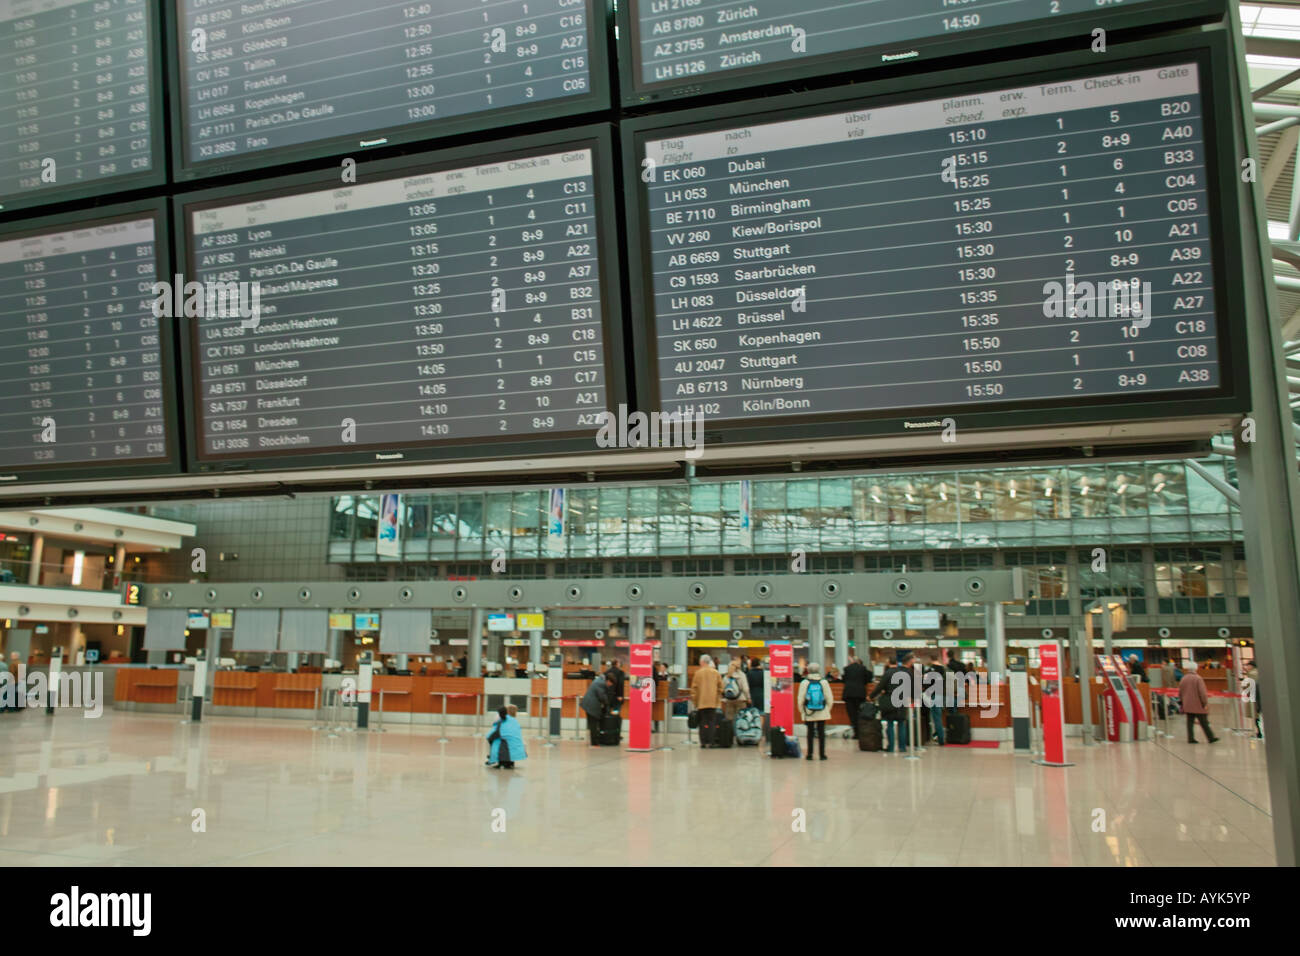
x,y
496,522
642,520
674,519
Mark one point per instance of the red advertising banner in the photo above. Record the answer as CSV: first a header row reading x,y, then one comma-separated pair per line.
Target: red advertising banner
x,y
641,699
1053,705
781,657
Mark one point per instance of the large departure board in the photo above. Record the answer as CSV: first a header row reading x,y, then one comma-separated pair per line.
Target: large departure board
x,y
77,97
272,78
454,305
83,381
684,46
1043,245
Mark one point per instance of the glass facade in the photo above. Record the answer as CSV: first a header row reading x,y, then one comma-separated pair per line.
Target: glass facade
x,y
1030,511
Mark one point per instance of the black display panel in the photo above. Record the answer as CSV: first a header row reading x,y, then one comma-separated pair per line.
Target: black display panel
x,y
79,99
288,79
461,304
893,262
676,48
88,364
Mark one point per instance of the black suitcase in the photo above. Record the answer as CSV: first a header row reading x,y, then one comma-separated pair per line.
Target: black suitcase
x,y
871,735
725,735
776,742
611,731
709,723
958,729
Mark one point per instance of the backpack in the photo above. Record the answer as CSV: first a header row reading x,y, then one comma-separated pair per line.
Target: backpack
x,y
732,690
815,698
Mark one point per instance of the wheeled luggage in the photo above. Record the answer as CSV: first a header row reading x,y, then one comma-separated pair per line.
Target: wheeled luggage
x,y
792,747
709,722
958,729
776,742
611,730
871,734
725,735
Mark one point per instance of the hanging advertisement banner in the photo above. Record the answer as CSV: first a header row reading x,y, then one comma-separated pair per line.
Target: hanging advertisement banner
x,y
388,535
641,670
555,521
782,671
746,515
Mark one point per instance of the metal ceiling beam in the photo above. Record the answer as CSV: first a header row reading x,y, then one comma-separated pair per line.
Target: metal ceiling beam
x,y
744,591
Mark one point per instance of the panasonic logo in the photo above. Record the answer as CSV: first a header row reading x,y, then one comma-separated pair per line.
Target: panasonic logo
x,y
890,57
390,457
922,424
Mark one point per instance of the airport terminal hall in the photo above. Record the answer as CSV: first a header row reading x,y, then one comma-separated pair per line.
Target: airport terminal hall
x,y
693,434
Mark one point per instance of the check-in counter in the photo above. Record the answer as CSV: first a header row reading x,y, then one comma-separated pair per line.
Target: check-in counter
x,y
150,690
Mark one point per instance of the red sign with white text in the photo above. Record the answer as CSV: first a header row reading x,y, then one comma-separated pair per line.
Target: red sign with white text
x,y
1053,704
781,657
641,670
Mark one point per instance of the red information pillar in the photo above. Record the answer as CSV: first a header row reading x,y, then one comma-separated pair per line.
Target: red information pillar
x,y
641,670
1053,705
781,657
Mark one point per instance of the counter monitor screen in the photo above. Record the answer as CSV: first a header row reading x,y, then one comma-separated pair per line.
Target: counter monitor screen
x,y
82,381
273,76
1029,244
457,306
75,94
680,43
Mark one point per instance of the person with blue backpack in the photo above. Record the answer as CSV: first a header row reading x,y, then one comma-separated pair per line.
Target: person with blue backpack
x,y
815,702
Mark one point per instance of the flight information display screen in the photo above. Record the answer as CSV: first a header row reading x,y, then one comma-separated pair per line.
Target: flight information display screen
x,y
1044,243
75,94
277,74
82,380
445,306
684,42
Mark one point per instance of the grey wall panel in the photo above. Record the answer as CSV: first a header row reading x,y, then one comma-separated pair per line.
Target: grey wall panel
x,y
404,630
164,629
304,630
256,629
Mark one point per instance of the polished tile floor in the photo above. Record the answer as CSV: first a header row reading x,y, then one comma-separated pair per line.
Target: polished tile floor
x,y
124,790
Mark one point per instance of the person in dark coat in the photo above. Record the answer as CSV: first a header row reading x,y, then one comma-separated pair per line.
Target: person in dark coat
x,y
855,690
595,703
756,683
958,670
893,693
1136,669
616,679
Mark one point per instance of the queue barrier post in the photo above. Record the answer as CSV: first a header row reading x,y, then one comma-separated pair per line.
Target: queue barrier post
x,y
913,731
577,721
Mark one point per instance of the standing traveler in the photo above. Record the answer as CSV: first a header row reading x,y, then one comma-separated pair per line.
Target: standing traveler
x,y
755,678
735,690
462,666
1196,703
1253,673
934,704
815,702
706,694
893,693
855,690
595,703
